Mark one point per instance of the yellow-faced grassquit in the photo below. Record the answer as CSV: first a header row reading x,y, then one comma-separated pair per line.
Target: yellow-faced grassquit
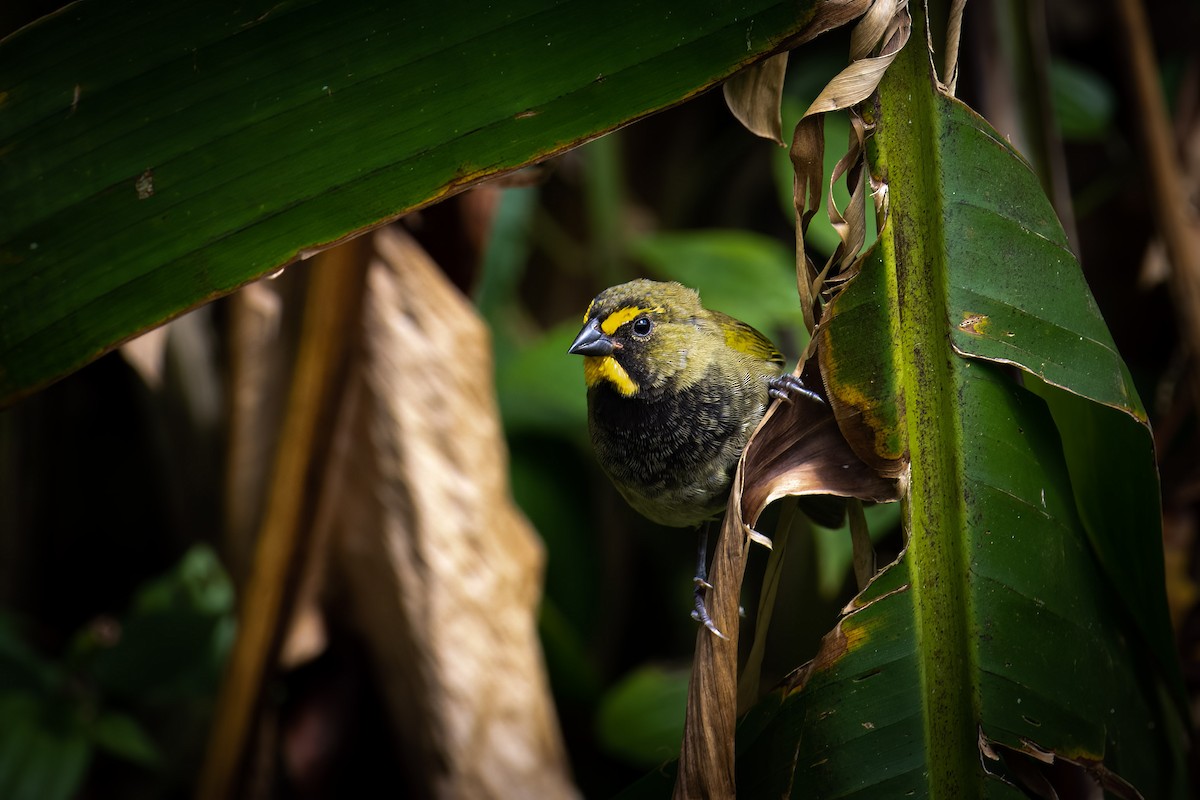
x,y
674,392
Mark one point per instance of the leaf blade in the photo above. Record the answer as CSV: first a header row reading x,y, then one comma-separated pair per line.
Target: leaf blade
x,y
234,141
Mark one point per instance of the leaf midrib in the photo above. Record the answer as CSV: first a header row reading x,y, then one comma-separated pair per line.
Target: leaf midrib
x,y
909,155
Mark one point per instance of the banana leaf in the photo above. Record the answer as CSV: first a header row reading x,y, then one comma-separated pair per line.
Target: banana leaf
x,y
1022,634
156,156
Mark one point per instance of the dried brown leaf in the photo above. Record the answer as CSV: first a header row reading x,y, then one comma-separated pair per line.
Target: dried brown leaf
x,y
873,27
850,225
796,450
857,81
1045,773
807,155
885,27
953,35
754,94
706,758
441,572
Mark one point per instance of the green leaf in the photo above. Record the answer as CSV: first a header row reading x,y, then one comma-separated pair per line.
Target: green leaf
x,y
176,636
123,736
231,140
641,718
1025,619
1042,662
1020,297
1114,475
198,582
44,752
1083,102
540,387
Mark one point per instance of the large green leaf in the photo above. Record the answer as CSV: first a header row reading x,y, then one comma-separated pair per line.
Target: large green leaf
x,y
156,156
1025,619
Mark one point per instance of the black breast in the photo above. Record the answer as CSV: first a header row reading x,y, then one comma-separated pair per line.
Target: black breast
x,y
658,444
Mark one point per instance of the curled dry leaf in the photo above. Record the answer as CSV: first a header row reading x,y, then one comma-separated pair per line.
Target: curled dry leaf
x,y
856,82
953,34
807,155
753,95
885,27
706,757
796,450
1048,774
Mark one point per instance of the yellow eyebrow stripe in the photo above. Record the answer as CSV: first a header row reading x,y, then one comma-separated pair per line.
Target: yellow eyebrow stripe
x,y
622,315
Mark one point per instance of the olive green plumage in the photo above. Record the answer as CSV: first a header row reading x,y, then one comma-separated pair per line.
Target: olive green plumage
x,y
674,392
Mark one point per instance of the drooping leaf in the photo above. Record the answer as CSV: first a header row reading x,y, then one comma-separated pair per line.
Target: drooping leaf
x,y
799,450
1006,634
796,450
754,96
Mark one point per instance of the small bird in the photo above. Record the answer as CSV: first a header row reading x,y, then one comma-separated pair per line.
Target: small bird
x,y
674,392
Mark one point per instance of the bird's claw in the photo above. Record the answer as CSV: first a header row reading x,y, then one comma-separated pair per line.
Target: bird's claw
x,y
700,613
783,387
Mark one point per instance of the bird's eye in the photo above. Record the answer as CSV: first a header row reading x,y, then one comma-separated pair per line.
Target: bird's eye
x,y
642,326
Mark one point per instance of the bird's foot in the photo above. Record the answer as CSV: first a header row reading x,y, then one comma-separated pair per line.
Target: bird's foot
x,y
700,612
784,387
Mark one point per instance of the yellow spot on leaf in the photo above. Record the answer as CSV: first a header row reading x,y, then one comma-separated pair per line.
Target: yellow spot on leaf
x,y
877,418
849,634
974,323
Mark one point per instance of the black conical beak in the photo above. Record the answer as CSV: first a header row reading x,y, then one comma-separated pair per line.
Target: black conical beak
x,y
591,341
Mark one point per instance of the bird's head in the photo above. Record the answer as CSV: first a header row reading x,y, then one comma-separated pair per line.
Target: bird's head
x,y
643,337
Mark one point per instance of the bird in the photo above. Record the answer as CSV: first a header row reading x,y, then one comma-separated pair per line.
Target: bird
x,y
674,391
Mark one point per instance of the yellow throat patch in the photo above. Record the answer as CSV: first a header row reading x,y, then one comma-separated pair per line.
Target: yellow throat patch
x,y
606,368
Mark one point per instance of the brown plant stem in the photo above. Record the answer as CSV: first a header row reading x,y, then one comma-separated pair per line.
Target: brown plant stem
x,y
1176,225
330,319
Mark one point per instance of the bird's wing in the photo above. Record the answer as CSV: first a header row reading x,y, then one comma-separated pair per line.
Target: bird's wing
x,y
745,339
